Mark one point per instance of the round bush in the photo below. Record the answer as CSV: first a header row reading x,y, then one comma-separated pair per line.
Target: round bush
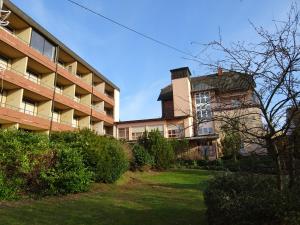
x,y
111,163
68,175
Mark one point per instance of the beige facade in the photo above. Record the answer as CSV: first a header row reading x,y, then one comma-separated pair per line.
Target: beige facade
x,y
195,108
46,87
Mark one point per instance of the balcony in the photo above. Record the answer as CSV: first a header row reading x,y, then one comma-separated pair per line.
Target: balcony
x,y
30,119
23,46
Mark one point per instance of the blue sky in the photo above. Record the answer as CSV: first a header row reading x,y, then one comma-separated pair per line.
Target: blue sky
x,y
138,66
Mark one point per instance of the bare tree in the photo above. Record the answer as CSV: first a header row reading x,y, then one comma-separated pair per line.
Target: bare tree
x,y
271,67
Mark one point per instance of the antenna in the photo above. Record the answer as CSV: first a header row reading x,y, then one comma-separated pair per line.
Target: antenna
x,y
4,14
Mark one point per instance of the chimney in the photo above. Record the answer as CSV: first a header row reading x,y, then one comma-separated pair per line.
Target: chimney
x,y
183,72
220,71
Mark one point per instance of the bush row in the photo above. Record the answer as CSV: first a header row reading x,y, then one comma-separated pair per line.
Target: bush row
x,y
240,199
67,162
253,164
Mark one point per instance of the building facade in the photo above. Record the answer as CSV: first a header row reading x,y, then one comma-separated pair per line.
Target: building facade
x,y
192,108
46,87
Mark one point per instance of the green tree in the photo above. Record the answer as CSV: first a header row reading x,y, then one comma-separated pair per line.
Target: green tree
x,y
231,143
158,147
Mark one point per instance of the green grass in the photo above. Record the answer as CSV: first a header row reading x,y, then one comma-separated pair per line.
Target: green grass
x,y
173,197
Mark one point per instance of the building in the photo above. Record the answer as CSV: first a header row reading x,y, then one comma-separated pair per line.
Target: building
x,y
45,86
191,107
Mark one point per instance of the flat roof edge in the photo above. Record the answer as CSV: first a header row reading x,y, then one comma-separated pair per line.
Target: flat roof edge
x,y
52,38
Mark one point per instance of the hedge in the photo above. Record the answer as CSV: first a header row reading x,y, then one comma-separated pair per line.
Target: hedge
x,y
34,164
240,199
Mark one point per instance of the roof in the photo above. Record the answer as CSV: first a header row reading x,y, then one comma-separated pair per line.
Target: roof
x,y
229,81
151,120
53,39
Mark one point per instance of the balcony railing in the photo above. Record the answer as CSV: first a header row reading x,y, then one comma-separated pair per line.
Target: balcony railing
x,y
23,110
13,34
26,76
62,66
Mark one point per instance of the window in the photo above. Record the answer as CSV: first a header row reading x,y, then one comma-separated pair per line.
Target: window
x,y
203,106
236,103
137,132
160,128
56,116
69,68
75,122
3,98
29,107
136,135
33,77
205,130
39,43
77,98
3,62
59,89
124,133
175,131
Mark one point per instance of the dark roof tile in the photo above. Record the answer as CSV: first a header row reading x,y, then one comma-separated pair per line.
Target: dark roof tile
x,y
229,81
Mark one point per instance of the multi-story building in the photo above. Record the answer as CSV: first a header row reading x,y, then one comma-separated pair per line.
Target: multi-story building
x,y
192,108
45,86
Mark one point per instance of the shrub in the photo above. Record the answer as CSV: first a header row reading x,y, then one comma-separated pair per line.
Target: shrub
x,y
7,191
111,163
158,147
249,199
68,175
142,159
104,156
20,154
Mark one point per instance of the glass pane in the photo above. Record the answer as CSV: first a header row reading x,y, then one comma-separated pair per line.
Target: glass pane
x,y
37,42
49,50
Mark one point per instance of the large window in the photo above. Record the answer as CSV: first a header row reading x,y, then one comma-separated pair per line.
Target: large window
x,y
203,106
39,43
204,114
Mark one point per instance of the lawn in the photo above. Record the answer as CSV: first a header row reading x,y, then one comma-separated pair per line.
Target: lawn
x,y
173,197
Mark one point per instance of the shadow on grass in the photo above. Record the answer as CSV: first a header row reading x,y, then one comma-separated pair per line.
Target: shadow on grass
x,y
195,172
201,186
102,212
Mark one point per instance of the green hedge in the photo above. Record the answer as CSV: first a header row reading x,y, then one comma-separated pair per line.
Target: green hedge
x,y
253,164
103,156
33,164
239,199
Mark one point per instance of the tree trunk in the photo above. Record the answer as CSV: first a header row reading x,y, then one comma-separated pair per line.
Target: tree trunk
x,y
279,173
276,157
291,146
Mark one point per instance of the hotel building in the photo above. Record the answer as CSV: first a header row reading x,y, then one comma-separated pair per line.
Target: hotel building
x,y
192,108
45,86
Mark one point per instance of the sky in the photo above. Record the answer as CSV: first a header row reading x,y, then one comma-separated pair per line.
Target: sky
x,y
139,67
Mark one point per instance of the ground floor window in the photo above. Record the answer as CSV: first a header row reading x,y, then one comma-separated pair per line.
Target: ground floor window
x,y
124,133
136,135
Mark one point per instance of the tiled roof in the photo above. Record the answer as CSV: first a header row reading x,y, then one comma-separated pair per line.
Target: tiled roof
x,y
229,81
